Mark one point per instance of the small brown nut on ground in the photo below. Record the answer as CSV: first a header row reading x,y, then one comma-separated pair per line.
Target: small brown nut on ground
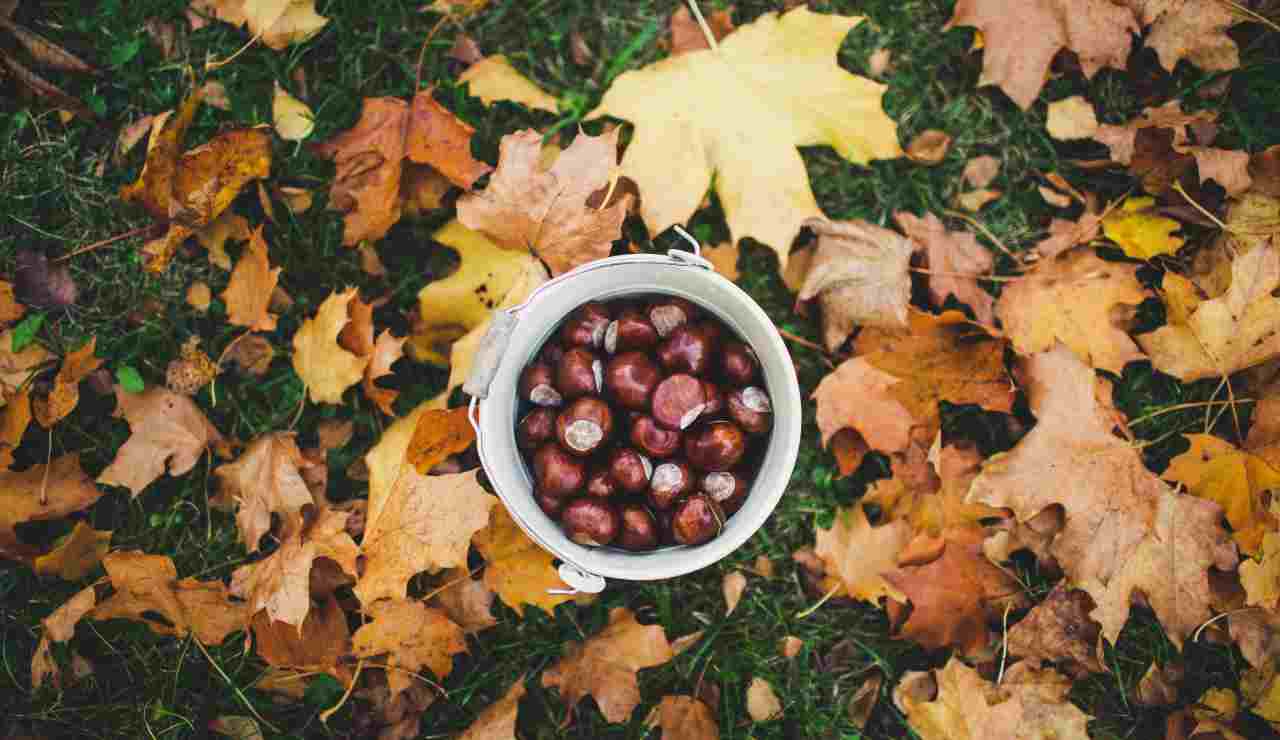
x,y
632,330
687,349
668,312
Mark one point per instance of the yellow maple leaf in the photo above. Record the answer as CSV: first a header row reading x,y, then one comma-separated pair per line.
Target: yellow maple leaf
x,y
493,78
1214,469
1139,231
518,570
736,115
325,367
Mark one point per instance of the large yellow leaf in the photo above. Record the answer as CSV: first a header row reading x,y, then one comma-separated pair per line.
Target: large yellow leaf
x,y
326,368
1237,481
737,114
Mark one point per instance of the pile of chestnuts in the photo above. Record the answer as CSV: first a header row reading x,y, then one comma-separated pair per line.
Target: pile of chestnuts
x,y
646,416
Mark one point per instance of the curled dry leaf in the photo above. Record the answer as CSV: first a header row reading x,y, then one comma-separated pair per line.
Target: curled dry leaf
x,y
684,718
1098,31
148,585
16,368
1125,530
167,432
10,309
859,276
929,147
544,209
974,200
1054,198
326,368
605,666
732,586
956,258
266,479
412,636
762,702
278,23
493,79
498,720
62,400
1072,118
1064,234
731,115
248,293
1080,300
1261,577
230,226
41,493
293,120
955,702
76,555
60,626
440,139
15,417
1059,630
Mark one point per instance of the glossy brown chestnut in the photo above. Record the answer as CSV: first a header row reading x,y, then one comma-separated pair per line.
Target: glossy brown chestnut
x,y
687,349
585,327
678,401
550,505
727,489
751,409
717,446
668,312
536,427
639,529
696,519
580,372
556,473
600,484
631,330
715,401
584,426
738,363
538,385
590,521
671,480
630,470
630,378
652,439
552,353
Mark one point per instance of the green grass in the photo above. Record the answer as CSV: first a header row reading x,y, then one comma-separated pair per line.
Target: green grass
x,y
149,686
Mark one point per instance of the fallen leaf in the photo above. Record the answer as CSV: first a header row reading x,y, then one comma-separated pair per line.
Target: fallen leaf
x,y
684,718
438,138
858,554
369,159
41,285
973,200
167,432
980,171
1071,118
199,296
1261,577
60,626
956,259
1077,299
955,703
1054,198
191,370
1059,630
517,569
280,584
319,645
386,350
526,206
493,79
1158,686
797,269
732,586
16,368
415,523
1239,482
297,200
15,417
76,556
856,395
1064,234
292,119
1234,331
1125,529
252,354
237,727
466,600
686,33
249,291
929,147
498,720
605,666
1140,231
62,400
41,493
790,646
859,276
465,50
10,309
1194,30
148,585
724,258
412,636
230,226
734,113
762,702
1098,31
1264,171
370,262
326,368
266,479
278,23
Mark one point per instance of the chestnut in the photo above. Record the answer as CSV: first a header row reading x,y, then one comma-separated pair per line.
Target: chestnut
x,y
536,427
556,473
671,480
717,446
714,330
580,372
715,400
668,312
687,349
678,401
600,484
552,353
584,425
538,385
590,521
696,520
652,439
639,530
751,409
585,327
550,505
630,470
630,379
631,330
738,363
727,489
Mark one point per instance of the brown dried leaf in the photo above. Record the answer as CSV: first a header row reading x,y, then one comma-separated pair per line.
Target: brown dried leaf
x,y
980,171
858,554
684,718
76,555
60,626
266,479
724,258
148,584
277,24
929,147
38,284
956,258
1072,118
168,432
412,636
369,158
439,138
762,702
686,34
62,400
319,644
249,291
1059,630
732,586
498,720
41,493
252,354
466,600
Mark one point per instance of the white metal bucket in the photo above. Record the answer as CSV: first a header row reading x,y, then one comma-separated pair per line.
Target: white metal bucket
x,y
517,335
